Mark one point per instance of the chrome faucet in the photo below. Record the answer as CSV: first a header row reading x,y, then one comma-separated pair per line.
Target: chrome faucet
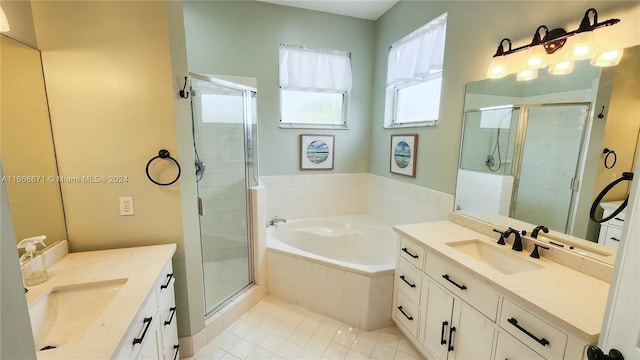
x,y
517,243
276,220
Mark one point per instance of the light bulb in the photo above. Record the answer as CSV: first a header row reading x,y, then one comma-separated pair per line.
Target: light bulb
x,y
581,47
607,58
561,68
4,23
527,74
536,57
497,68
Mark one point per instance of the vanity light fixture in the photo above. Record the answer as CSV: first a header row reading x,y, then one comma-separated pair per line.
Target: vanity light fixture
x,y
4,23
579,42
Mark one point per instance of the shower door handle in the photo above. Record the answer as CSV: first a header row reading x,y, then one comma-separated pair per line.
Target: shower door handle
x,y
200,207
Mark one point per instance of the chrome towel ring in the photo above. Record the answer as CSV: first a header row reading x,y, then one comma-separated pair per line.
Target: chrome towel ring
x,y
163,154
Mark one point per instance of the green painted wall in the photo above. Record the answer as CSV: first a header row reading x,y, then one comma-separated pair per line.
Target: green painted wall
x,y
474,29
241,38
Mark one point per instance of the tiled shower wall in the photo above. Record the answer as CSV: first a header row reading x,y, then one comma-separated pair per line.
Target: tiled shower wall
x,y
394,202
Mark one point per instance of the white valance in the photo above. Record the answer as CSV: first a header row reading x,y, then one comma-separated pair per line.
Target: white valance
x,y
315,69
419,54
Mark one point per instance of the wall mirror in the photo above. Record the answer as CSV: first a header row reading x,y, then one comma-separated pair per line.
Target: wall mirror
x,y
28,155
533,152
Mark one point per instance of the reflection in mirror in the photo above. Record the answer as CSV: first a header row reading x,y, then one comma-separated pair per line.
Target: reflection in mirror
x,y
532,153
28,156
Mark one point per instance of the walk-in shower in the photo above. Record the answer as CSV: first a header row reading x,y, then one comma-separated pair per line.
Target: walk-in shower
x,y
224,133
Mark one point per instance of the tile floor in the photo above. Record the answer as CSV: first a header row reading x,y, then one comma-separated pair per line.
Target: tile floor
x,y
276,329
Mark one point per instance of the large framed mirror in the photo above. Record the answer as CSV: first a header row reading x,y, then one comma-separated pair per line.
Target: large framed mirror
x,y
27,149
538,152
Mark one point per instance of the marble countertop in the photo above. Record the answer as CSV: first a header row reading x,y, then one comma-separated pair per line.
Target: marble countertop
x,y
570,299
141,266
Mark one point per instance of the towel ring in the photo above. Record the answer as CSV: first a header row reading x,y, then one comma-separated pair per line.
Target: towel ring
x,y
607,153
163,154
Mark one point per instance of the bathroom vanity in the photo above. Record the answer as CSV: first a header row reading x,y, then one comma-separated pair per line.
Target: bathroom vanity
x,y
109,304
611,231
458,294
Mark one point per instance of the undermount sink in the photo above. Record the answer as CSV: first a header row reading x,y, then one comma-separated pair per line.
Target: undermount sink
x,y
65,314
499,259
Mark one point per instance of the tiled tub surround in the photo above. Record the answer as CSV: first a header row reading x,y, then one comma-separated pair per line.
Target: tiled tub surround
x,y
391,201
341,267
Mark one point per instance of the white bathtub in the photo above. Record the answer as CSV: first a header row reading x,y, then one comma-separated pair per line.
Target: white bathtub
x,y
339,266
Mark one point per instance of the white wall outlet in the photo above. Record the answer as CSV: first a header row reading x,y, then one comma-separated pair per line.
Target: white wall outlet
x,y
126,205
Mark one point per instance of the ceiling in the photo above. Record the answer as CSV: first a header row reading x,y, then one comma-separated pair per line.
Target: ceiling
x,y
364,9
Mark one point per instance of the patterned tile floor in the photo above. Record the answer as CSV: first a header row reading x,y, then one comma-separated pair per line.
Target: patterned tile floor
x,y
275,329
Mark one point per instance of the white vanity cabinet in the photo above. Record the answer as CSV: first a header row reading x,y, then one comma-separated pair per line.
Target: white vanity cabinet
x,y
453,329
153,333
611,231
449,312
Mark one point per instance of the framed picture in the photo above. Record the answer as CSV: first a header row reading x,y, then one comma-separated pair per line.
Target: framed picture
x,y
316,152
403,154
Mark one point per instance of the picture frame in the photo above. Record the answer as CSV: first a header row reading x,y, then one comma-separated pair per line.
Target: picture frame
x,y
403,154
317,152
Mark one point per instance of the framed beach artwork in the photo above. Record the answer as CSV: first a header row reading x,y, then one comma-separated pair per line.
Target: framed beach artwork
x,y
316,152
403,154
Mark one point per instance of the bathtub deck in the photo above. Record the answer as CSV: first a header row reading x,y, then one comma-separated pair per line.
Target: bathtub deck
x,y
275,329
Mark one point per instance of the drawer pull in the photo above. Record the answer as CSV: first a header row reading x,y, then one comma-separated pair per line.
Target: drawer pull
x,y
176,351
461,287
442,339
408,283
410,254
514,322
147,322
173,312
614,239
410,318
451,331
619,219
166,285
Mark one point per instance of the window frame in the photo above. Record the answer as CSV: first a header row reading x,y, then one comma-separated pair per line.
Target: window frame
x,y
394,123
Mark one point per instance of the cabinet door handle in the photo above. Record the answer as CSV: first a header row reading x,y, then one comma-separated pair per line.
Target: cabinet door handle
x,y
166,284
543,341
408,283
147,322
442,339
173,312
176,351
410,254
451,331
461,287
410,318
614,239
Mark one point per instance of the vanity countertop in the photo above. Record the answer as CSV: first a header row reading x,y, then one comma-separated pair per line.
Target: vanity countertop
x,y
572,299
141,267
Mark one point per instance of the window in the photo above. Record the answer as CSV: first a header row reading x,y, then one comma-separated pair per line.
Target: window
x,y
314,87
414,76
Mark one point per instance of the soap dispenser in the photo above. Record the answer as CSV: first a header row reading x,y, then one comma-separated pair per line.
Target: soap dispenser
x,y
36,271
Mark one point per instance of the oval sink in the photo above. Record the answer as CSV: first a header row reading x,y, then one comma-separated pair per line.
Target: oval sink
x,y
499,259
65,314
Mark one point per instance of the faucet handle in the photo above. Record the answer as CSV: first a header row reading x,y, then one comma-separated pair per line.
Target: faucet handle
x,y
535,254
501,239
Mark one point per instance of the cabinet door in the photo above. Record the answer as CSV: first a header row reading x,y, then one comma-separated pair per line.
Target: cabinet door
x,y
473,335
152,347
438,306
508,348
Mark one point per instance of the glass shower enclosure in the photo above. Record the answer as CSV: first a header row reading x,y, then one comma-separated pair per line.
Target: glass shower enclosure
x,y
224,131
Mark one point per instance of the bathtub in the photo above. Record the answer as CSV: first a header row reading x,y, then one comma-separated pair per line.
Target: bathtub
x,y
341,267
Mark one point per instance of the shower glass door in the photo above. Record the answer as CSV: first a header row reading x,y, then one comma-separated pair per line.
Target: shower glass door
x,y
222,130
548,176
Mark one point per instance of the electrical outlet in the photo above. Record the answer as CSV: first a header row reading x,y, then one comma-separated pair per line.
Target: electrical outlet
x,y
126,205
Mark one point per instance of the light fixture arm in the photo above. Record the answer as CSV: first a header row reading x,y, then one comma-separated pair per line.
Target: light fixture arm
x,y
554,39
